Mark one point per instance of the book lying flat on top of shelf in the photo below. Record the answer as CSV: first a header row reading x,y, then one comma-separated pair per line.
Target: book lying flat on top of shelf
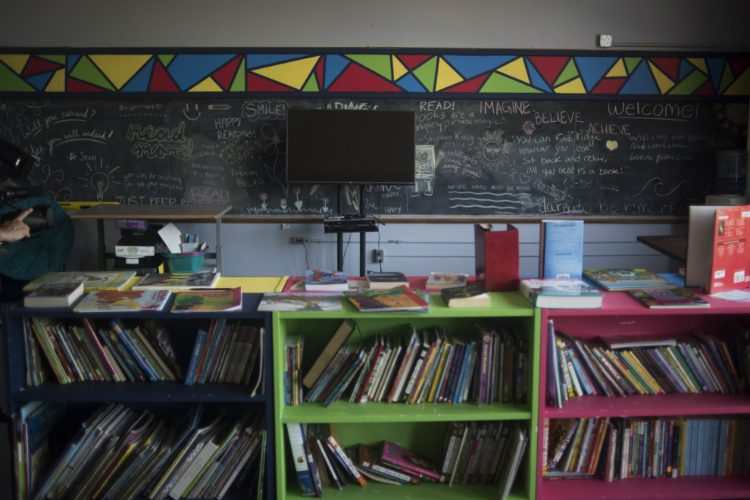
x,y
394,299
208,300
91,280
616,280
290,302
384,281
630,341
474,295
669,298
179,281
439,281
317,280
128,301
54,295
561,294
354,285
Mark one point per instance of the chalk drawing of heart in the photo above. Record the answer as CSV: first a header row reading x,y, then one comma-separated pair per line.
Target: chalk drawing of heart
x,y
611,145
523,178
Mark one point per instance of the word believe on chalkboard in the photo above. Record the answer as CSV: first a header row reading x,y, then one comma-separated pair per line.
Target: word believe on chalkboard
x,y
474,158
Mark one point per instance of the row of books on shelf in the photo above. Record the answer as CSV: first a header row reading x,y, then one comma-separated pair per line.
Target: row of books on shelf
x,y
118,280
412,367
473,453
319,280
621,448
119,453
692,363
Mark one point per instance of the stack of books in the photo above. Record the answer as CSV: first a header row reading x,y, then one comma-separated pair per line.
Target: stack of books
x,y
123,453
107,351
649,364
620,448
228,353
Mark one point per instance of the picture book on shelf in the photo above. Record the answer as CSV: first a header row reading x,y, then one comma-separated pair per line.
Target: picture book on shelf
x,y
208,300
54,295
730,260
394,299
669,298
474,295
408,460
127,301
439,281
561,249
290,302
384,281
561,294
618,280
317,280
169,281
91,280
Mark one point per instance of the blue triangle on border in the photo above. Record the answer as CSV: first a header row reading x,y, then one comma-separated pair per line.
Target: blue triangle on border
x,y
592,69
640,82
471,66
410,84
685,69
189,69
40,81
72,60
139,83
715,67
258,60
536,79
334,66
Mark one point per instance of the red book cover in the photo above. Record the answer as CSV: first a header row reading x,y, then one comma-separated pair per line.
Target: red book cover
x,y
729,267
496,258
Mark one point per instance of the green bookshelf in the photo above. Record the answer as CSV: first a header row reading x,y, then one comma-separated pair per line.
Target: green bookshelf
x,y
417,427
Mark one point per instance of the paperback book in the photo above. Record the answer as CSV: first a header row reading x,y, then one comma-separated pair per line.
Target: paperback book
x,y
474,295
561,294
561,249
384,281
394,299
91,280
290,302
618,280
439,281
208,301
54,295
669,298
168,281
128,301
317,280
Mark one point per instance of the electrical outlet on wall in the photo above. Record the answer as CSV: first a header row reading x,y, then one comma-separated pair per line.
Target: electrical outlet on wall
x,y
377,256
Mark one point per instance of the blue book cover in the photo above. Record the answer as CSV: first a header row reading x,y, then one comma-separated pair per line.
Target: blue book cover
x,y
41,425
462,381
317,280
561,249
200,342
723,434
133,350
299,455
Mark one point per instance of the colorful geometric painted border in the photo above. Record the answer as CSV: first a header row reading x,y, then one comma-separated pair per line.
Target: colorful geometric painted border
x,y
388,73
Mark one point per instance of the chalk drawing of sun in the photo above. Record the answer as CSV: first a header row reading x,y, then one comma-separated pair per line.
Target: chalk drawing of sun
x,y
99,179
492,151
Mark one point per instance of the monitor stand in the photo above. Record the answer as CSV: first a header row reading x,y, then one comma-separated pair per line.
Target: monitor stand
x,y
341,224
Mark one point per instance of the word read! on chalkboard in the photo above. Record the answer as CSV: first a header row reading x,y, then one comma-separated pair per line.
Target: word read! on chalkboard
x,y
474,158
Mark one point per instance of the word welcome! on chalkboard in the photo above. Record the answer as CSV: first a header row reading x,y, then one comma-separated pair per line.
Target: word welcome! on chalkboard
x,y
474,158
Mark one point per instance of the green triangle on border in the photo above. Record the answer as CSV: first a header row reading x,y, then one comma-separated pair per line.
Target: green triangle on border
x,y
689,84
312,84
166,59
238,85
379,63
726,79
58,59
11,82
427,73
568,73
631,63
87,71
502,84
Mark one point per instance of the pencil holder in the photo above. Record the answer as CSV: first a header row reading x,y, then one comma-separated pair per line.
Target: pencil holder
x,y
185,262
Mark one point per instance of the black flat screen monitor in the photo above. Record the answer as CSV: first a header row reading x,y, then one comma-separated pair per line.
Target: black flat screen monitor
x,y
350,146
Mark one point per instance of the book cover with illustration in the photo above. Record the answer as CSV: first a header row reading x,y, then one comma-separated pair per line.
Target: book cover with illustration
x,y
317,280
384,281
561,294
91,280
474,295
669,298
291,302
208,300
616,280
402,458
439,281
169,281
393,299
127,301
730,261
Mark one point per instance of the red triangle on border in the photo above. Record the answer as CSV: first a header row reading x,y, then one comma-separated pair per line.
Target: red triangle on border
x,y
319,71
161,81
79,86
412,62
609,86
738,65
706,89
469,86
36,66
549,66
669,65
355,78
258,84
225,75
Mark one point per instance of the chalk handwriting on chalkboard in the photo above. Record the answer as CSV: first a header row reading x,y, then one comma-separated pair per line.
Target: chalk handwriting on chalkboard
x,y
473,158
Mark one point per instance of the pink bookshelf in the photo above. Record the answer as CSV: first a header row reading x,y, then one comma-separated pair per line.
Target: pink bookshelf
x,y
623,315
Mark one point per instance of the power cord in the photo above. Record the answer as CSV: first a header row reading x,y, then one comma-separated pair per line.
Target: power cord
x,y
306,261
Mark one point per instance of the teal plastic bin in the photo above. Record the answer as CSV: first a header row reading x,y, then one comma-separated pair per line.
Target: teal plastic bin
x,y
185,262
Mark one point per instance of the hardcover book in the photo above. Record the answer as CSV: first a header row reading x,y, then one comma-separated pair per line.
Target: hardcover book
x,y
168,281
561,249
561,294
473,295
208,300
129,301
91,280
54,295
617,280
384,281
317,280
439,281
393,299
290,302
669,298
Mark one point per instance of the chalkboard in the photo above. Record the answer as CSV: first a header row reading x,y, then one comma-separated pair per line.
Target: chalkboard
x,y
474,158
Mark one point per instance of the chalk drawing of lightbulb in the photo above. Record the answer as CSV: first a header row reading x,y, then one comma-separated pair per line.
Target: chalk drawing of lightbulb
x,y
100,179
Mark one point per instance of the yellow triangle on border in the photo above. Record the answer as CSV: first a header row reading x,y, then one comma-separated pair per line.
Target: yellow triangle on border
x,y
699,63
618,70
572,87
294,73
119,68
741,85
446,76
662,80
399,69
207,85
16,62
516,69
57,83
